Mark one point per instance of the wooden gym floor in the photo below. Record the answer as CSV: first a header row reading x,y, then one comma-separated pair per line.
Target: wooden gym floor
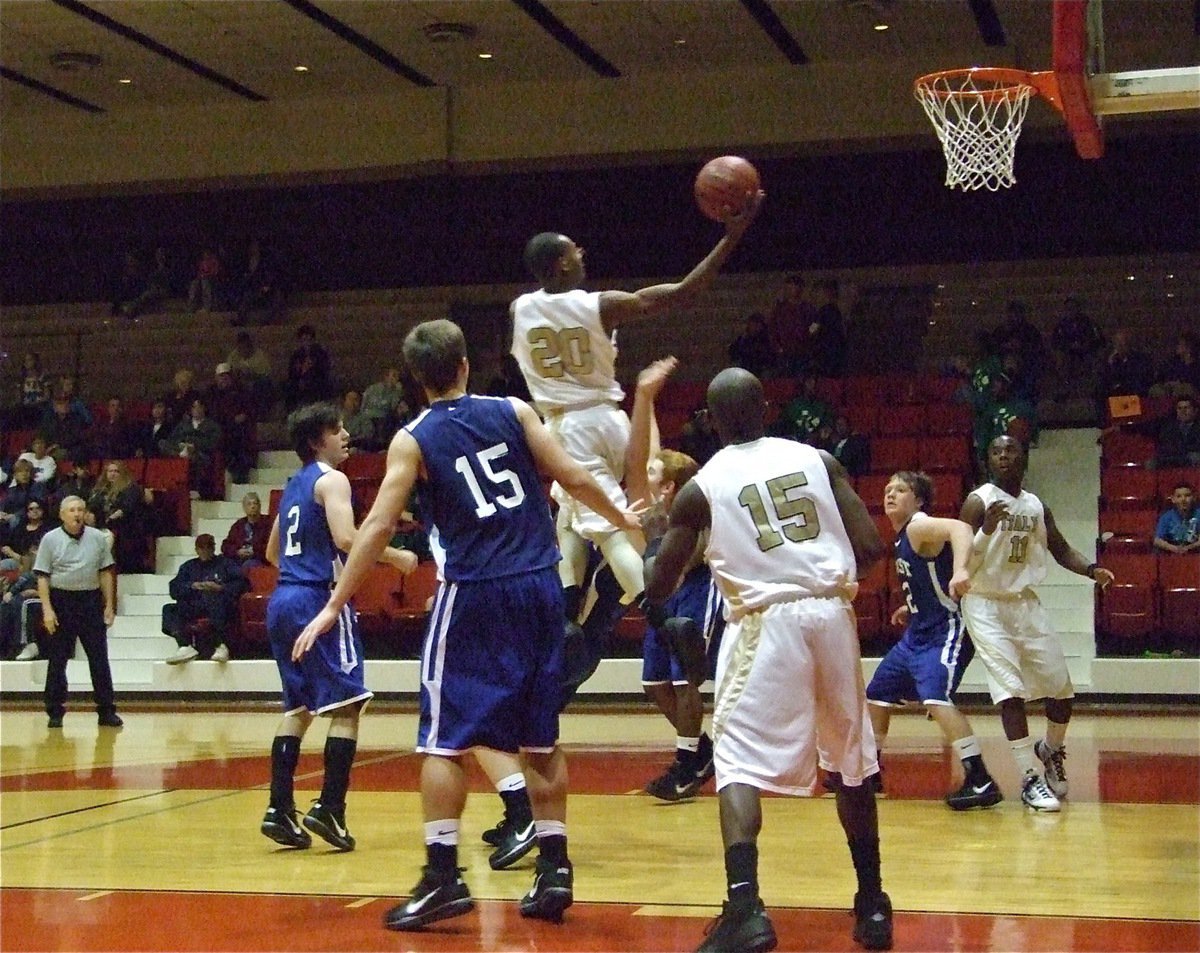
x,y
147,839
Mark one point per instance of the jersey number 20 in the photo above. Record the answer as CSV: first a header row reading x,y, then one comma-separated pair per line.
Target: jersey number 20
x,y
485,460
557,353
797,516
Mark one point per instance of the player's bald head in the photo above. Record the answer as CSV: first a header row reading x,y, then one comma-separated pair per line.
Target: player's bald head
x,y
735,400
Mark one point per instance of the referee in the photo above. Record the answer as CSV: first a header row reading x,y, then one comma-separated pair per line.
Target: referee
x,y
77,584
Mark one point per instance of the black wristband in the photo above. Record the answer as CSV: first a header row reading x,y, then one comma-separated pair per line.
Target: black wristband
x,y
1091,570
654,612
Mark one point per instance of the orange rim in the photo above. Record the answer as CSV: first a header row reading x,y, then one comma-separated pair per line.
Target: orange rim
x,y
1007,82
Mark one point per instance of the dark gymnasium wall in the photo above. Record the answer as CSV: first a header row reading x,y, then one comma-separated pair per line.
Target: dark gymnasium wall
x,y
828,212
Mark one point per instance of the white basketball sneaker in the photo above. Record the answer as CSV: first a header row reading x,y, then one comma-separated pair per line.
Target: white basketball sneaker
x,y
1036,794
1056,769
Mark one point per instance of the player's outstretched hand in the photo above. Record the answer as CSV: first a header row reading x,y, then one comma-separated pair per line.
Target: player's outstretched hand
x,y
313,631
651,380
1104,577
736,225
960,584
900,617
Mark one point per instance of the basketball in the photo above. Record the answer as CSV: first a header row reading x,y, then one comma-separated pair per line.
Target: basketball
x,y
724,186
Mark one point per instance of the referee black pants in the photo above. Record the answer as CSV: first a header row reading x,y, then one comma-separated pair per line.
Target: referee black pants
x,y
80,616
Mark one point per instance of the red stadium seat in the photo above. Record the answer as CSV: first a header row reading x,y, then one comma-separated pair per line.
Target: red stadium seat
x,y
832,390
1179,572
868,612
944,453
863,418
1132,526
632,625
1121,448
1132,569
779,390
903,420
419,586
876,580
167,477
948,420
1128,488
262,579
1171,477
365,466
273,509
949,490
889,454
939,389
870,488
864,390
252,622
1126,612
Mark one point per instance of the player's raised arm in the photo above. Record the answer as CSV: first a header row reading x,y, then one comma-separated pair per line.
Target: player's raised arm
x,y
617,307
643,430
928,536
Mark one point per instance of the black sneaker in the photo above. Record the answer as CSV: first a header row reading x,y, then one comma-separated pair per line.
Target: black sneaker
x,y
873,922
739,930
494,835
705,770
973,794
433,898
516,844
54,721
552,892
283,828
110,720
677,783
330,826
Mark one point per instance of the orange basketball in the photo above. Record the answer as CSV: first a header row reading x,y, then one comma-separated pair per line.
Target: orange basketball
x,y
724,186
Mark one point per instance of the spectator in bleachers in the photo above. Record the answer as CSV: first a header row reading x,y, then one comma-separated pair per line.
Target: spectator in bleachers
x,y
148,437
207,587
826,346
308,377
204,293
118,504
851,449
1177,437
129,282
260,289
156,289
35,391
112,438
788,326
1179,375
1178,529
1018,335
28,532
698,438
359,426
64,432
1004,415
231,407
16,627
20,491
752,349
181,397
78,482
38,456
803,414
246,544
195,438
1126,369
68,389
383,402
1079,343
251,368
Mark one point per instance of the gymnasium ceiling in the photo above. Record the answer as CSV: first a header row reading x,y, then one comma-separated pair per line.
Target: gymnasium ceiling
x,y
60,55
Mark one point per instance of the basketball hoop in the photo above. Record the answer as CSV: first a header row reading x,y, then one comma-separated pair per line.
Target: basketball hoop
x,y
977,114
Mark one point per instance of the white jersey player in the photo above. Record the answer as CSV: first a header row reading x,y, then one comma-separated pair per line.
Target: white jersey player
x,y
1021,653
564,341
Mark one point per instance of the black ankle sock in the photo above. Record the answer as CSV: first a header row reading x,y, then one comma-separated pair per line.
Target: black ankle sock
x,y
339,757
285,755
442,860
688,760
517,809
554,848
741,873
572,602
976,773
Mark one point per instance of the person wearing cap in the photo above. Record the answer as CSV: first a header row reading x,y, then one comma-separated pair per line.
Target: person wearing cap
x,y
231,405
77,586
207,587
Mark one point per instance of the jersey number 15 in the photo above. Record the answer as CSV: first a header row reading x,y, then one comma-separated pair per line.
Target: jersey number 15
x,y
484,460
796,516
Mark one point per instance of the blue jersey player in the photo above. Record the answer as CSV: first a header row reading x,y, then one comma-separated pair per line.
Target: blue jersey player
x,y
314,528
928,662
492,663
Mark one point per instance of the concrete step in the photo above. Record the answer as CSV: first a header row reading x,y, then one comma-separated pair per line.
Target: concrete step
x,y
238,490
142,584
135,627
272,476
278,459
217,509
177,546
218,528
133,605
168,565
141,647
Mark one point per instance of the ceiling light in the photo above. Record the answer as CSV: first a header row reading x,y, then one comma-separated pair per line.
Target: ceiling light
x,y
74,61
124,82
300,69
680,41
880,27
485,56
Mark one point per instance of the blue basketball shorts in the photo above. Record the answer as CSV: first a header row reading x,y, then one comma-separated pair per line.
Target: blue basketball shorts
x,y
698,599
492,666
925,670
331,674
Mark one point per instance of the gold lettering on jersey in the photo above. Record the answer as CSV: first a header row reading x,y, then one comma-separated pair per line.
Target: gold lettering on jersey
x,y
557,353
1016,523
796,515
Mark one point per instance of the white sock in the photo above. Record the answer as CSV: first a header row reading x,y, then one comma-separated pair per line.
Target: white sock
x,y
687,744
550,828
967,747
1027,761
442,832
514,782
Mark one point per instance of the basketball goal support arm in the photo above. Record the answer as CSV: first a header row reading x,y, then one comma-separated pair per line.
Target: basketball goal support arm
x,y
1070,70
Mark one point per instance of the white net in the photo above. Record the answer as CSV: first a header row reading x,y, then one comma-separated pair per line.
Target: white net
x,y
977,117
